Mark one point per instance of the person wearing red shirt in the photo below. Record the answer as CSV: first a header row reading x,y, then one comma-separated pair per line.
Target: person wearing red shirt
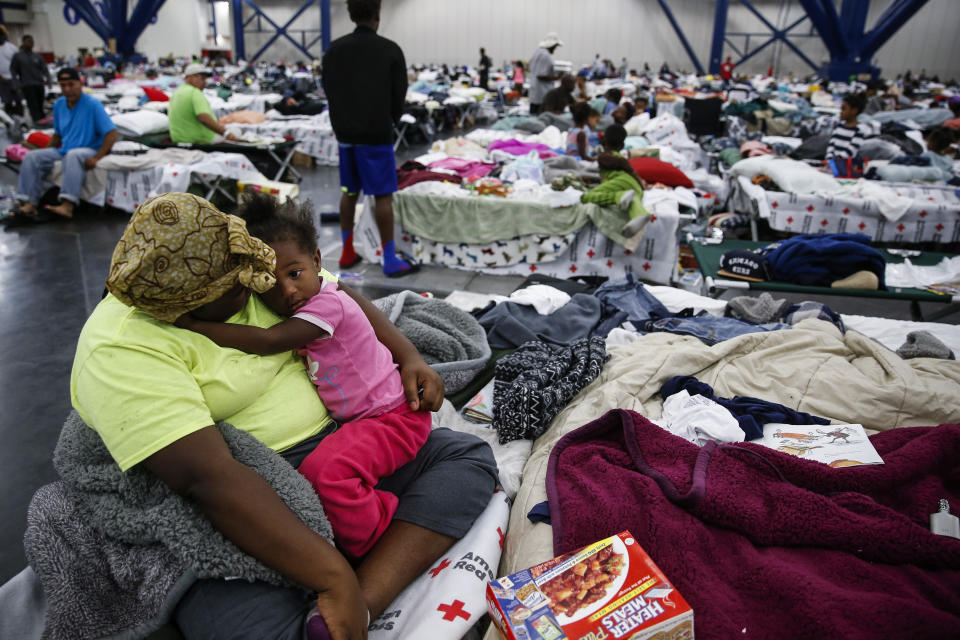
x,y
726,72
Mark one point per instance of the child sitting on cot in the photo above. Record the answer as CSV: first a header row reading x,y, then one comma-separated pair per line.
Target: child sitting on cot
x,y
354,374
582,139
620,185
848,135
938,150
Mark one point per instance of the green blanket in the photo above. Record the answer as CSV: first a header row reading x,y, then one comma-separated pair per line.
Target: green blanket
x,y
483,219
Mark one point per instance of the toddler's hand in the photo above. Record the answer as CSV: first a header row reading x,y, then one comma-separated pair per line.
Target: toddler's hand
x,y
185,321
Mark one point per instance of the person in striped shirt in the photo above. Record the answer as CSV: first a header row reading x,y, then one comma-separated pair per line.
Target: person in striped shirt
x,y
848,135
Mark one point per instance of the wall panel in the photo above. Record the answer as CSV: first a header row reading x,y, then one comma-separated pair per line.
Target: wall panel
x,y
452,31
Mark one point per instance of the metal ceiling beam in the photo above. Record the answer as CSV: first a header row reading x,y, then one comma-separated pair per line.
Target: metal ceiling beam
x,y
775,34
140,19
682,36
91,16
892,19
305,47
111,22
850,46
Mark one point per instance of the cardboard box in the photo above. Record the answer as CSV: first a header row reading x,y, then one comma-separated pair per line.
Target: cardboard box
x,y
301,160
610,589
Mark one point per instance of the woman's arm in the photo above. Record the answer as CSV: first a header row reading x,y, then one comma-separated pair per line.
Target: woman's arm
x,y
414,371
242,506
292,333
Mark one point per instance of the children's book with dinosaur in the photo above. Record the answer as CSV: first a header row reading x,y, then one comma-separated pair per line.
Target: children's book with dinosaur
x,y
838,445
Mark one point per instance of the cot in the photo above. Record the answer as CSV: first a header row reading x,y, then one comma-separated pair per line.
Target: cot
x,y
708,259
932,216
279,155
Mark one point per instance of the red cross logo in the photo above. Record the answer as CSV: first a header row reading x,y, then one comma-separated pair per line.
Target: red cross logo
x,y
500,533
573,268
440,567
775,204
930,198
646,266
900,227
591,253
609,263
379,253
406,238
175,173
846,210
653,219
923,214
533,268
454,610
627,252
862,226
707,196
939,227
824,222
790,220
810,208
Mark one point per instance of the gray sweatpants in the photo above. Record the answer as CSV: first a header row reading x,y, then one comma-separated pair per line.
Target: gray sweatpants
x,y
444,489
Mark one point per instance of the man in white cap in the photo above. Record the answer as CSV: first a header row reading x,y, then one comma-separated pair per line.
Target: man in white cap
x,y
541,73
191,118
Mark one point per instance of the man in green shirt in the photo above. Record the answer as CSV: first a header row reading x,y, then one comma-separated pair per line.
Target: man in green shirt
x,y
191,118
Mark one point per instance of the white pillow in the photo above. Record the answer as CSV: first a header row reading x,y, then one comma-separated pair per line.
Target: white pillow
x,y
790,175
142,123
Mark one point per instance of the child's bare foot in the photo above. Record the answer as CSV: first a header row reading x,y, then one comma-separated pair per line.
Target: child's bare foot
x,y
65,209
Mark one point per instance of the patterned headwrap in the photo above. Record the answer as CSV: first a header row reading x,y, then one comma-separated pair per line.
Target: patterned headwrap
x,y
179,252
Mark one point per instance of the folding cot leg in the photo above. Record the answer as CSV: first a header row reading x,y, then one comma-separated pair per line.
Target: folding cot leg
x,y
401,137
285,164
214,187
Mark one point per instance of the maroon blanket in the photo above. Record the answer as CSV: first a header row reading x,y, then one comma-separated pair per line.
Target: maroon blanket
x,y
767,545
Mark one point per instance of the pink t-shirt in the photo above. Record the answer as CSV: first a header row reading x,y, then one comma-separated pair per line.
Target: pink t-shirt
x,y
354,373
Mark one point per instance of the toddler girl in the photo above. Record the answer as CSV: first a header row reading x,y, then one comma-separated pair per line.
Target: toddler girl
x,y
581,139
363,391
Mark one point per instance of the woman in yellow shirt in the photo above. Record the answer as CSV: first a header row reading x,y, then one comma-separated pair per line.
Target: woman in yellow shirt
x,y
153,392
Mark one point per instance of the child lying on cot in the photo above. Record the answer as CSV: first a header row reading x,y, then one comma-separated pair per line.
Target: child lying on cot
x,y
379,433
620,185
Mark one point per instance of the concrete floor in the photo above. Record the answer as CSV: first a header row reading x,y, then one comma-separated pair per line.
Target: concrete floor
x,y
51,277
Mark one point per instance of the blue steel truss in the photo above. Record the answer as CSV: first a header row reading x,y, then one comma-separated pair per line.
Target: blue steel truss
x,y
241,27
111,20
850,45
844,34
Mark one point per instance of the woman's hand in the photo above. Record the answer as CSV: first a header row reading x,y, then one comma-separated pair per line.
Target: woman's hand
x,y
344,611
422,386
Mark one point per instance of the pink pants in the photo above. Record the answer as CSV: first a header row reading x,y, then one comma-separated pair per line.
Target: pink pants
x,y
345,467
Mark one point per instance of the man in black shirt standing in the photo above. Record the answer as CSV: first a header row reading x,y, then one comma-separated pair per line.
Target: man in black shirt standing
x,y
484,68
365,80
30,74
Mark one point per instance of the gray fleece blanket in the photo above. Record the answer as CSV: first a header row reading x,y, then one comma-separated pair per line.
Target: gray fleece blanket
x,y
450,340
115,550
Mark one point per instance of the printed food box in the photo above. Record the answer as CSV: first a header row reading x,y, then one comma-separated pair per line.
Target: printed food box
x,y
610,589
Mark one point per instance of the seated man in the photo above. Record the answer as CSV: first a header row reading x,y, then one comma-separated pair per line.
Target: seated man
x,y
83,133
191,118
559,98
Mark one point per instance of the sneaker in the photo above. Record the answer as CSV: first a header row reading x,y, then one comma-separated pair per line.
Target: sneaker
x,y
626,199
635,226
